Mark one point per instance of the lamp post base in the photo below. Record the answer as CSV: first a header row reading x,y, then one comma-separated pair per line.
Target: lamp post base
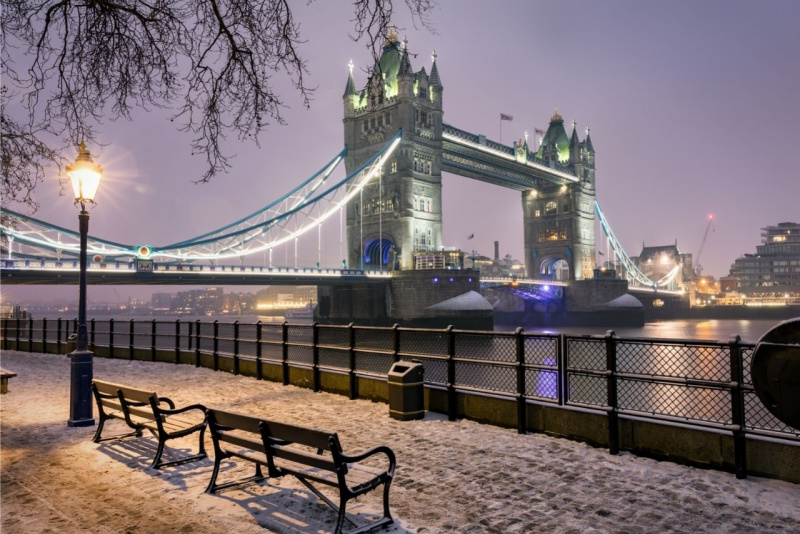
x,y
80,398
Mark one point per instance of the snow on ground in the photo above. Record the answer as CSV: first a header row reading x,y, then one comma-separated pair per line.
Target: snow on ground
x,y
451,477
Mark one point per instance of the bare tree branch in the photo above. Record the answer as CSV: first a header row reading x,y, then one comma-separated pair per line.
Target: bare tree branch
x,y
212,60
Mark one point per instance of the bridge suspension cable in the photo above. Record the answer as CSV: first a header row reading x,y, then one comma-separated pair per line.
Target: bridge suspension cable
x,y
280,222
634,275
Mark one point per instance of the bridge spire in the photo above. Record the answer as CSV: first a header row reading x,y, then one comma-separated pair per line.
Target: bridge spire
x,y
434,79
589,146
350,88
574,141
405,62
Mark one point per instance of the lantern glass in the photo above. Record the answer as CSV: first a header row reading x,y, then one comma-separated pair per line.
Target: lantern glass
x,y
85,176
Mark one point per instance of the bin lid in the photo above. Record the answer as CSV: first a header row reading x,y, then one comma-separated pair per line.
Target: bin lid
x,y
404,367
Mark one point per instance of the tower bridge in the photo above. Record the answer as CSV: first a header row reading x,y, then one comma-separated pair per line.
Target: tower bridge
x,y
387,210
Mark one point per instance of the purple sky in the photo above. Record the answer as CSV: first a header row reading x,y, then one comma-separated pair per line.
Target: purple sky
x,y
693,106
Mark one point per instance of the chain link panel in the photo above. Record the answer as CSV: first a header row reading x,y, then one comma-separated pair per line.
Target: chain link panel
x,y
488,377
585,353
497,347
432,343
701,362
675,400
585,389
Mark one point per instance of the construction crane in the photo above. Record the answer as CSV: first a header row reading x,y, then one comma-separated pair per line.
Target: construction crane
x,y
698,268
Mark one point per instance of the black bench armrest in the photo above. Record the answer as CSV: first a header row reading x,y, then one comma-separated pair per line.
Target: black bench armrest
x,y
181,410
169,402
382,449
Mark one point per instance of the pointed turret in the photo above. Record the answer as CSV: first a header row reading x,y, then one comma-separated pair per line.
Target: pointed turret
x,y
589,146
434,78
573,140
350,88
405,61
574,145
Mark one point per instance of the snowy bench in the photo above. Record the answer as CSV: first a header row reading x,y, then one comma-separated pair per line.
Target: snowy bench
x,y
141,409
4,376
312,456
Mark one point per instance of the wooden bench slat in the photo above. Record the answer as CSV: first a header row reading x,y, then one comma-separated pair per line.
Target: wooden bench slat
x,y
313,460
297,434
242,441
235,420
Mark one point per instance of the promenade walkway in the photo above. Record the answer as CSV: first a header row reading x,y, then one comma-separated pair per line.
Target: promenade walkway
x,y
452,476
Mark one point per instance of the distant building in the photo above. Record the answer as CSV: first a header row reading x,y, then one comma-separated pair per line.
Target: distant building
x,y
658,262
774,270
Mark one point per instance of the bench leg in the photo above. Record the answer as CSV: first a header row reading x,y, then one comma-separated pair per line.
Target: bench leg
x,y
212,485
97,435
341,517
158,464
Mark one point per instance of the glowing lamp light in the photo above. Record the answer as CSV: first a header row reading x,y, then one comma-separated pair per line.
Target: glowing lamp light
x,y
85,176
436,280
546,288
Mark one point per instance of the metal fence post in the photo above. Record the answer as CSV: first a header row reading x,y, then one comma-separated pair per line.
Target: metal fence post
x,y
315,354
5,334
216,346
236,347
30,334
561,366
396,342
177,341
93,333
197,345
18,325
189,336
611,370
522,416
351,360
451,373
131,340
44,335
153,341
259,371
58,334
737,408
285,352
111,338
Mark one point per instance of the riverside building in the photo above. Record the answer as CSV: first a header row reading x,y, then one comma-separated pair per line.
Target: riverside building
x,y
774,270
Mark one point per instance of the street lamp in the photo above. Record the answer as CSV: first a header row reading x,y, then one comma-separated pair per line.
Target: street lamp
x,y
85,176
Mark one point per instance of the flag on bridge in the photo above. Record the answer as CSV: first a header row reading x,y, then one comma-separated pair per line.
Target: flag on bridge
x,y
538,131
470,236
504,117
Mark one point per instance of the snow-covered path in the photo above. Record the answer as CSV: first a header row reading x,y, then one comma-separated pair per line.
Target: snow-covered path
x,y
451,477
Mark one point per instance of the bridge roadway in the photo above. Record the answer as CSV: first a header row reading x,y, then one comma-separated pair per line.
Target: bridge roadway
x,y
52,272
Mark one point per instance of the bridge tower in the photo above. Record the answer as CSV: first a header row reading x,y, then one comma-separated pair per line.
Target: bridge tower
x,y
402,212
559,219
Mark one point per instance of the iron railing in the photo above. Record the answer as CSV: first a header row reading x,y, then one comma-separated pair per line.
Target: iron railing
x,y
702,384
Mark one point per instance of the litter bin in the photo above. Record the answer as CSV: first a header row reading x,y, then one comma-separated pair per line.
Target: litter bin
x,y
406,397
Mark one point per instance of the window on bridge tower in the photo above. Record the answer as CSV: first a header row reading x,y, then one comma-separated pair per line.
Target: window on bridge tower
x,y
537,213
388,118
550,208
394,162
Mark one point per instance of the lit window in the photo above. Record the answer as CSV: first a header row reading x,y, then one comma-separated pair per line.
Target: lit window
x,y
550,208
394,164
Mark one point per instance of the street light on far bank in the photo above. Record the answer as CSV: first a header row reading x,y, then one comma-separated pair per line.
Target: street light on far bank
x,y
85,176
